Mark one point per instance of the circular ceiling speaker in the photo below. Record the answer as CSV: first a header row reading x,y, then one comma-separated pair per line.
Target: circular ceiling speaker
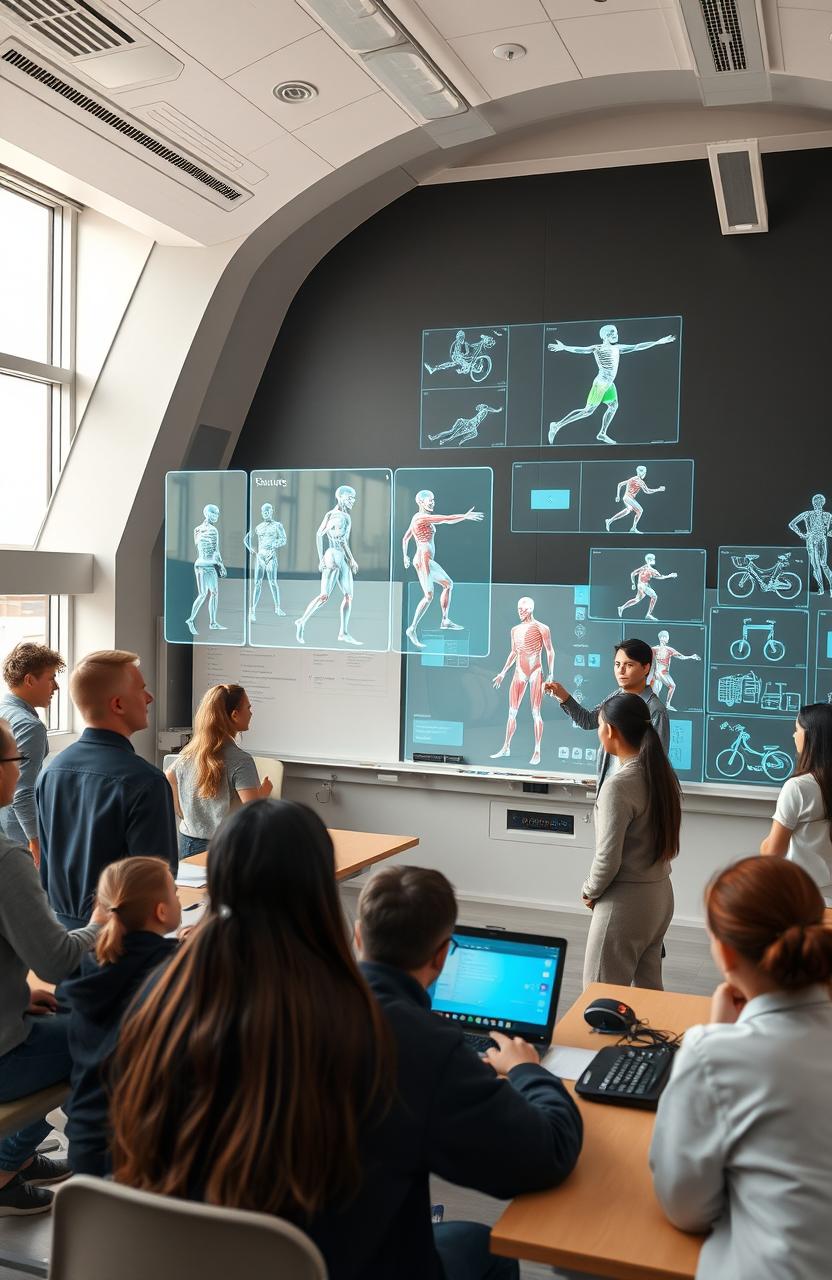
x,y
293,91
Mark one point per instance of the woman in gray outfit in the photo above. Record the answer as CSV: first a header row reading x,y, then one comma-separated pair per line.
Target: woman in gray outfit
x,y
638,814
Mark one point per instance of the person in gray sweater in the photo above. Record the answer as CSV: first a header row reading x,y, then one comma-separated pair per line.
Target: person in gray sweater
x,y
638,815
34,1051
631,667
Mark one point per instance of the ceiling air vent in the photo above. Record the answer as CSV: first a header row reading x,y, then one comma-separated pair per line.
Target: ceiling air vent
x,y
727,48
58,92
75,27
293,91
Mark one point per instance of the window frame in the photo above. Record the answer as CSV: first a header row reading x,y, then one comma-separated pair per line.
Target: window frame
x,y
58,373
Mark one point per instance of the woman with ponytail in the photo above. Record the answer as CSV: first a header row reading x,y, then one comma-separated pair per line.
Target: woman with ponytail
x,y
638,813
212,774
743,1140
802,825
138,897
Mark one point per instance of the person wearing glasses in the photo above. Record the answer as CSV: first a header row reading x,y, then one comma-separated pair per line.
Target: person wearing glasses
x,y
34,1050
29,672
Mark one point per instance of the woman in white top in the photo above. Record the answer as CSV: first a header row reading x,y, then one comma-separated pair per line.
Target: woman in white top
x,y
212,775
743,1140
802,826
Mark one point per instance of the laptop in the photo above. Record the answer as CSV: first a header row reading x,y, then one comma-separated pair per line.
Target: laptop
x,y
501,981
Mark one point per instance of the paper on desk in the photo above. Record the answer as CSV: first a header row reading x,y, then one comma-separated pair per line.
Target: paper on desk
x,y
568,1063
191,875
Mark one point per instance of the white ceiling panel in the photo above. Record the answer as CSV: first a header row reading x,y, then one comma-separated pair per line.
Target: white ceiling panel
x,y
807,50
211,103
546,60
617,43
317,59
137,5
345,134
467,17
226,35
293,168
558,9
825,5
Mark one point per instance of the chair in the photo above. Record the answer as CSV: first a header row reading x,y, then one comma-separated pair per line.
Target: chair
x,y
103,1231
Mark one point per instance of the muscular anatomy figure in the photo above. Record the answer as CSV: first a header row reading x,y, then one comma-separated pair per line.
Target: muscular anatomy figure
x,y
660,675
630,488
644,573
429,571
336,563
208,568
464,428
607,354
817,524
270,536
461,354
528,640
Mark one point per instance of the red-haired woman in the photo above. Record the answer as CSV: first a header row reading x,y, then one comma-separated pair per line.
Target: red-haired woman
x,y
743,1138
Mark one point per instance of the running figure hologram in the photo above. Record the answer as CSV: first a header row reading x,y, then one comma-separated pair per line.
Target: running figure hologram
x,y
207,566
422,530
607,354
817,525
467,357
465,428
336,563
663,653
270,536
644,573
528,640
631,487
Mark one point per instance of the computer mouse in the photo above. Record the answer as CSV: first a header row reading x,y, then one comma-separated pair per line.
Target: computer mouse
x,y
612,1017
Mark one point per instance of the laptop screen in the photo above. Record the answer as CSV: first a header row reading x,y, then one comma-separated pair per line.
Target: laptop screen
x,y
506,981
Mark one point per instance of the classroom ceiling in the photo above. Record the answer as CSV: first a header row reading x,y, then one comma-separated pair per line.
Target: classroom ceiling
x,y
164,111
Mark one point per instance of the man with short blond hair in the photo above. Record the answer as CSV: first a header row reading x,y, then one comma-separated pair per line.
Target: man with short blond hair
x,y
98,801
29,672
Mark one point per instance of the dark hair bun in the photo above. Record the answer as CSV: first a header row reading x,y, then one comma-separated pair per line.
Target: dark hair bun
x,y
801,956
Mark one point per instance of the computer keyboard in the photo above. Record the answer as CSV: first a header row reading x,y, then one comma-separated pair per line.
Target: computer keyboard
x,y
629,1075
478,1043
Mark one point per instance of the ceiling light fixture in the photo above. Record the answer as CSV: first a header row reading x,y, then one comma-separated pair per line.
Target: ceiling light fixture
x,y
509,52
361,24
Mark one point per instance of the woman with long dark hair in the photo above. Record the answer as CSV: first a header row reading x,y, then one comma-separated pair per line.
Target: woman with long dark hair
x,y
742,1146
212,774
802,826
638,814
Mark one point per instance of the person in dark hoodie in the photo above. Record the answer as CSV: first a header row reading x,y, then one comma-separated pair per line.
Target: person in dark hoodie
x,y
139,896
260,1072
501,1124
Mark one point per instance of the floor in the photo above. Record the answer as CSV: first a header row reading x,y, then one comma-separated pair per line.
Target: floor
x,y
687,968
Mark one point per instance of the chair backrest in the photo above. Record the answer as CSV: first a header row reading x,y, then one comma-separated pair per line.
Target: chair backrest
x,y
103,1231
167,762
268,767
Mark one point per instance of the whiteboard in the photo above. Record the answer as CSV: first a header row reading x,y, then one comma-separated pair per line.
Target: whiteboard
x,y
313,704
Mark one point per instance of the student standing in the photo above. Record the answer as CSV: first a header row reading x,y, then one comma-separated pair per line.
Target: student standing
x,y
138,899
638,815
34,1052
802,826
98,801
212,774
631,667
29,672
261,1073
743,1140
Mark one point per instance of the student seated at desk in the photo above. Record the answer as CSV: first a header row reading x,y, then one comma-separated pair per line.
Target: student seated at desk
x,y
743,1137
212,774
802,826
139,898
504,1125
260,1073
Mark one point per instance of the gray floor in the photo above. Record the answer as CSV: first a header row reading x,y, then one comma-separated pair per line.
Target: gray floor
x,y
687,968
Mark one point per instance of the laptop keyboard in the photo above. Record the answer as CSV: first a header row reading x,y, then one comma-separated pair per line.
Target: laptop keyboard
x,y
479,1043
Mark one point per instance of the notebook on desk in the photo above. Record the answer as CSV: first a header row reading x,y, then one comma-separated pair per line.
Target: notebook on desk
x,y
501,981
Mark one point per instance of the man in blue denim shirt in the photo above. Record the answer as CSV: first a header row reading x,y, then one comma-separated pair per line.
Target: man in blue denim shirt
x,y
98,801
29,672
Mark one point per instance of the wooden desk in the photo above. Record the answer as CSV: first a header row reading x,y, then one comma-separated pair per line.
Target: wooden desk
x,y
605,1218
354,851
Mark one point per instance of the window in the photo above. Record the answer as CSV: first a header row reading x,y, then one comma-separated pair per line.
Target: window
x,y
36,354
44,620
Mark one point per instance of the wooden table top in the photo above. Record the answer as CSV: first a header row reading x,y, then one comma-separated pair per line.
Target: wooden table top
x,y
354,851
605,1218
